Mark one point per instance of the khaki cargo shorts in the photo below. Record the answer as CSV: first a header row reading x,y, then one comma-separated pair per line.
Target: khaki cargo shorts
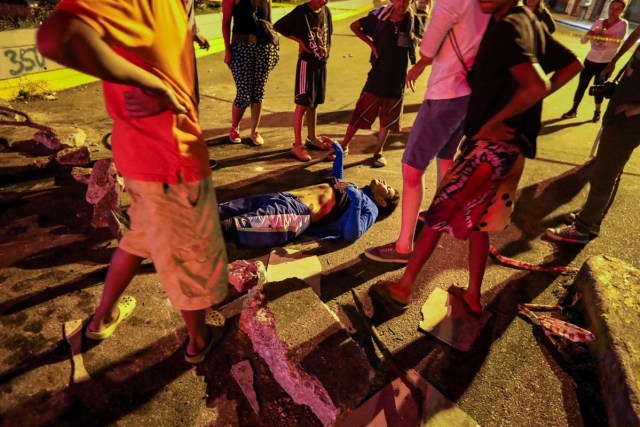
x,y
177,227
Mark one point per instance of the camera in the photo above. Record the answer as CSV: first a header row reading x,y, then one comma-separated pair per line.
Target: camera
x,y
605,90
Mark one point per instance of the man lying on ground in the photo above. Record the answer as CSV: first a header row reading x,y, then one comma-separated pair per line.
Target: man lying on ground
x,y
334,209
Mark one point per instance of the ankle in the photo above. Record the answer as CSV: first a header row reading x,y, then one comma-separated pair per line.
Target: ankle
x,y
404,248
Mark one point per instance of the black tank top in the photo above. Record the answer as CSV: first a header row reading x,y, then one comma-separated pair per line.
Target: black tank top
x,y
243,16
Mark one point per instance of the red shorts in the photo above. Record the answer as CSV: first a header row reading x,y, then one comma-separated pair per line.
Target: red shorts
x,y
370,106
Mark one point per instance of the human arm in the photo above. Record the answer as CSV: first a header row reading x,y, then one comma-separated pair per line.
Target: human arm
x,y
356,28
593,31
360,215
67,40
201,40
630,41
547,19
443,18
338,162
227,14
533,86
628,110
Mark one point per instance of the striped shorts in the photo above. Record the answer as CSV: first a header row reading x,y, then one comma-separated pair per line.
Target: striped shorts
x,y
311,83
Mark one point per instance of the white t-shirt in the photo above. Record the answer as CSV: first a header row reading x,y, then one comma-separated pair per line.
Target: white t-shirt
x,y
603,51
448,78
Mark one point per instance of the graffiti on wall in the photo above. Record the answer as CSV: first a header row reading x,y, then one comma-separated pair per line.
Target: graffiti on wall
x,y
19,61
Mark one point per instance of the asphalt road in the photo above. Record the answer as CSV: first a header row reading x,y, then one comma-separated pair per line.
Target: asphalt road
x,y
51,264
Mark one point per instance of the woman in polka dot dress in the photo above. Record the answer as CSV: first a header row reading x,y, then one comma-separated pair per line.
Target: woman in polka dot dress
x,y
250,59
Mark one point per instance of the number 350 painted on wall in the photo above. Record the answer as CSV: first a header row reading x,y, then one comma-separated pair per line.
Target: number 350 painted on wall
x,y
20,61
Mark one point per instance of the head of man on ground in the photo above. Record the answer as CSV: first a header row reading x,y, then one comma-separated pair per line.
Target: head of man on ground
x,y
384,196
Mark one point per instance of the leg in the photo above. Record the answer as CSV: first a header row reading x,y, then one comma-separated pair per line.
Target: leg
x,y
478,253
256,115
351,131
241,57
424,248
122,269
298,114
583,83
443,166
616,146
312,118
236,115
412,195
382,139
197,330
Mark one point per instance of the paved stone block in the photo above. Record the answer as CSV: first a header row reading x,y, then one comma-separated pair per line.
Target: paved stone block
x,y
612,305
301,340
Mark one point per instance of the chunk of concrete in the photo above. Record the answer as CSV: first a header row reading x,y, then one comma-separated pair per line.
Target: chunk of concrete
x,y
77,156
81,174
301,341
395,405
243,374
611,303
62,137
104,178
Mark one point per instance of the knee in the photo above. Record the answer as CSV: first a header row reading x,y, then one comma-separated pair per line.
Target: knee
x,y
411,178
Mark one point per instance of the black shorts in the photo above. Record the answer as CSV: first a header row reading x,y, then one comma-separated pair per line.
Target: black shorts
x,y
311,83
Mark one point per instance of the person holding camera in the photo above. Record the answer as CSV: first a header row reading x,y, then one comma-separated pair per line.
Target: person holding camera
x,y
605,36
620,137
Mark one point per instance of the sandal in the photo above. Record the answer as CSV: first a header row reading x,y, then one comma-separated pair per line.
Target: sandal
x,y
379,161
125,308
381,292
459,292
216,332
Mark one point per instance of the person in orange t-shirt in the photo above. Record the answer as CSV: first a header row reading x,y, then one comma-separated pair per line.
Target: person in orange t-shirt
x,y
143,52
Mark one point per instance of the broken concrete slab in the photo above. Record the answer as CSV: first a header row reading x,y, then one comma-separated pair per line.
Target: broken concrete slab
x,y
445,317
396,406
611,303
104,178
289,262
62,137
76,156
301,339
81,174
242,372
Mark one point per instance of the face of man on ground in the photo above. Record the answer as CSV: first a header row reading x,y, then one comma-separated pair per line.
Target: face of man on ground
x,y
497,8
615,10
400,7
381,192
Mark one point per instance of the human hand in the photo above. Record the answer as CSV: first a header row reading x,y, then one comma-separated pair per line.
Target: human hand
x,y
329,144
140,104
374,51
498,132
202,41
342,185
413,74
606,72
628,110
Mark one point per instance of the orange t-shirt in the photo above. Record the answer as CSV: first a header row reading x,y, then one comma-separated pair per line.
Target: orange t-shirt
x,y
154,35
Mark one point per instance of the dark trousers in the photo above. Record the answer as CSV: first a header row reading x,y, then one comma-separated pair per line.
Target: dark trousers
x,y
591,71
620,137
